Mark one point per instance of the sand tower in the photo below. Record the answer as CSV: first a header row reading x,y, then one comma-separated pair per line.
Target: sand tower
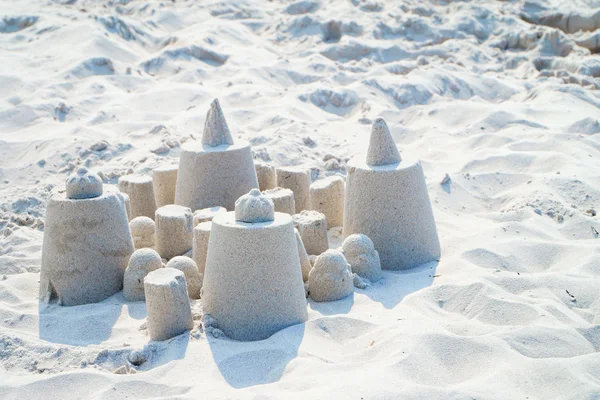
x,y
87,242
140,190
253,280
387,200
215,171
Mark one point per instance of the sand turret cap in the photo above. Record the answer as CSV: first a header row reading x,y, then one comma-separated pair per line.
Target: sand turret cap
x,y
382,148
216,131
254,207
84,184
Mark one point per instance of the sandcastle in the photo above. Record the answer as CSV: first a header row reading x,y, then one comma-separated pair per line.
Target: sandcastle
x,y
140,190
141,263
327,197
331,278
387,200
167,302
200,244
312,226
253,281
207,214
164,179
174,233
267,179
217,171
364,260
87,242
142,232
298,180
283,199
193,278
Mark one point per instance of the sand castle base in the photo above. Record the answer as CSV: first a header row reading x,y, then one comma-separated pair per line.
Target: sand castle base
x,y
253,281
86,248
390,205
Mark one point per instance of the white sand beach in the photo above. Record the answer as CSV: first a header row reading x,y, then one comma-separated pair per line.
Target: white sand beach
x,y
498,99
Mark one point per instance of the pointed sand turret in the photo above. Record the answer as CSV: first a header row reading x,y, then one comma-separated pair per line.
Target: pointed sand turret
x,y
216,132
387,200
214,171
382,149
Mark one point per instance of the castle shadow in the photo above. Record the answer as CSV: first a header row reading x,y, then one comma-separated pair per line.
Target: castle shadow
x,y
245,364
395,285
342,306
84,324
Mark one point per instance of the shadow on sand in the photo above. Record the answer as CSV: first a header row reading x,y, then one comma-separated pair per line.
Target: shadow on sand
x,y
395,285
245,364
85,324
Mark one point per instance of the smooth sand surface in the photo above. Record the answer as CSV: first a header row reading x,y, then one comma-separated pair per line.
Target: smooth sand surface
x,y
503,106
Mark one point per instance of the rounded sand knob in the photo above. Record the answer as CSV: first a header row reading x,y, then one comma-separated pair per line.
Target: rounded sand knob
x,y
141,263
216,132
142,232
167,302
254,207
193,278
84,184
382,148
331,278
362,256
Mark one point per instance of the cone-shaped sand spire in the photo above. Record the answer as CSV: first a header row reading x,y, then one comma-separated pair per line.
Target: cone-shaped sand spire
x,y
253,283
215,171
382,148
216,131
387,200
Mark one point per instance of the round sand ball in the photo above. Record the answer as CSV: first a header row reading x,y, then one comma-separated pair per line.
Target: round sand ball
x,y
267,179
298,180
331,278
254,207
193,278
142,232
327,196
167,302
141,263
84,184
312,226
283,199
207,214
362,256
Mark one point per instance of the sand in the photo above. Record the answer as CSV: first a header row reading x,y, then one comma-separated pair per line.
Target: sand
x,y
501,105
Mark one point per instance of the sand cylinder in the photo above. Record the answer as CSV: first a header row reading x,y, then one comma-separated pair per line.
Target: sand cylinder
x,y
283,199
140,190
327,197
298,180
164,179
305,264
216,171
253,280
87,243
387,200
312,226
127,205
267,179
200,244
169,311
142,231
173,235
207,214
